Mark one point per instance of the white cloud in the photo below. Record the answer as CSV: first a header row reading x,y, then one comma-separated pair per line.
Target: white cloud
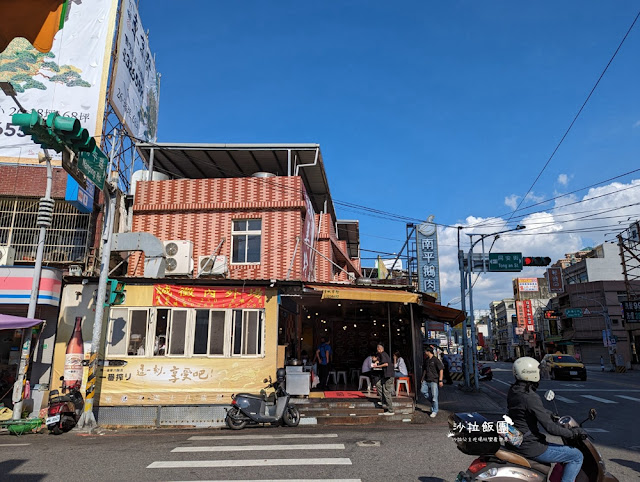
x,y
512,201
563,179
562,228
637,124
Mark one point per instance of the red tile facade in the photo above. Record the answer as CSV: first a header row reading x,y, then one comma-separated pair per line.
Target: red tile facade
x,y
202,211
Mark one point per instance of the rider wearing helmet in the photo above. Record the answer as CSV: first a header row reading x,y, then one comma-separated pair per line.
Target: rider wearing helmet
x,y
526,411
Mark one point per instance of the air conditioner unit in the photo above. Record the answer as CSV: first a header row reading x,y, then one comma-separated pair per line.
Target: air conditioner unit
x,y
633,233
179,257
7,255
208,265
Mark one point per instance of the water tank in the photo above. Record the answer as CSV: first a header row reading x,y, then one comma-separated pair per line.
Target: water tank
x,y
143,175
263,174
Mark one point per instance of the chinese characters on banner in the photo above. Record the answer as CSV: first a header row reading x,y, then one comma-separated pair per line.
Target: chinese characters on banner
x,y
527,284
524,312
428,265
521,315
554,277
205,297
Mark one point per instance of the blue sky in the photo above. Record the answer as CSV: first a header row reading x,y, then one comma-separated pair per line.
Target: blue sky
x,y
420,107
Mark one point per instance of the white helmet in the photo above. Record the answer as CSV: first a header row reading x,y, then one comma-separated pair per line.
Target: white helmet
x,y
526,369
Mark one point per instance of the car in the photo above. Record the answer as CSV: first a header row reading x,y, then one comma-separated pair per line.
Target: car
x,y
563,366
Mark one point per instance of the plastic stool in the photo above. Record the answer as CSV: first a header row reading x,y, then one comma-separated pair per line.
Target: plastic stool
x,y
364,378
400,381
354,373
332,375
343,374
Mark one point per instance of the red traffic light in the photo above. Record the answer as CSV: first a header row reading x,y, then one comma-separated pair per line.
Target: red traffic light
x,y
536,261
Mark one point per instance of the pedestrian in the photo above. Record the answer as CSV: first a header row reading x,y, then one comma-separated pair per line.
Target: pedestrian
x,y
446,362
432,376
323,358
601,363
385,383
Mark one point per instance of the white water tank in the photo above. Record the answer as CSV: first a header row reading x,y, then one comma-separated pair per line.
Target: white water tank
x,y
143,175
263,174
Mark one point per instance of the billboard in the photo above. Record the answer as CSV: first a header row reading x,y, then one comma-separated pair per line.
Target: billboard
x,y
136,84
554,277
428,265
70,79
527,284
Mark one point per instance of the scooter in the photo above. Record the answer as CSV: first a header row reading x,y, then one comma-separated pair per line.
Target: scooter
x,y
64,411
247,408
501,465
486,374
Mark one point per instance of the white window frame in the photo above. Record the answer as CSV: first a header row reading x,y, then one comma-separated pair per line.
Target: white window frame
x,y
150,313
246,233
259,336
226,348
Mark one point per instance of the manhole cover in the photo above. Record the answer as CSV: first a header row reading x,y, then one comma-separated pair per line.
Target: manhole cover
x,y
368,443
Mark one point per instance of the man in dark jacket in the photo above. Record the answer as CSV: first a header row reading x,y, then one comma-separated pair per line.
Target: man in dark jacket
x,y
384,385
431,382
526,411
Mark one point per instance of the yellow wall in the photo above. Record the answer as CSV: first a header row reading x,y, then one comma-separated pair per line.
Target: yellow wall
x,y
170,380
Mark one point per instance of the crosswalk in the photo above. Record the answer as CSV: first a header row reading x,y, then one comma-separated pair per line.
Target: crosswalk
x,y
294,448
611,399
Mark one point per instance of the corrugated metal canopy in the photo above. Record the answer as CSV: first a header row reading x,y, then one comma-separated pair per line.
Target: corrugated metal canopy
x,y
203,161
349,231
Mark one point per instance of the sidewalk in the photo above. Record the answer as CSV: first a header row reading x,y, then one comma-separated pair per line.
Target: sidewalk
x,y
452,400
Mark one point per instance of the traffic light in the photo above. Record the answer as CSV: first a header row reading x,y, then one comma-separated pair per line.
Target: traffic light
x,y
536,261
33,125
69,130
116,292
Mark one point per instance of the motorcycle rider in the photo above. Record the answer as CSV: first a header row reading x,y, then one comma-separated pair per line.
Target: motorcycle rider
x,y
526,410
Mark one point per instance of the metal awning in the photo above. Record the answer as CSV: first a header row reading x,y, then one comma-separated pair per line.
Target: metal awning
x,y
443,313
207,161
358,293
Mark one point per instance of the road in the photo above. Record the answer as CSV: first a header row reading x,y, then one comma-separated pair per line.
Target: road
x,y
402,452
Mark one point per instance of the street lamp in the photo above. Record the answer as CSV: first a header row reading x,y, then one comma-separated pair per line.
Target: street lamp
x,y
471,361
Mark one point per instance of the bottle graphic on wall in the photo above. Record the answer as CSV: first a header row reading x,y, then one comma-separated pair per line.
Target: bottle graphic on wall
x,y
73,358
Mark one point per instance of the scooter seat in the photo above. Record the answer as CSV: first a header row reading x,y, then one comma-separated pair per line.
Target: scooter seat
x,y
517,459
250,395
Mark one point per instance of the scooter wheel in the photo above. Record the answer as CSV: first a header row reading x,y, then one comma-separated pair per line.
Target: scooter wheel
x,y
291,416
56,430
233,420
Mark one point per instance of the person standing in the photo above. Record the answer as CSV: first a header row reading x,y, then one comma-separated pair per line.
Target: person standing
x,y
446,362
385,383
323,358
432,376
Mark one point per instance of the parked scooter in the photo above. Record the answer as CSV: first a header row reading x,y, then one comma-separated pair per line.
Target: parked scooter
x,y
501,465
64,411
274,408
486,374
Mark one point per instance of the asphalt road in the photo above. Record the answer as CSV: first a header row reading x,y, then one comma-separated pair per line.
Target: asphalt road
x,y
402,452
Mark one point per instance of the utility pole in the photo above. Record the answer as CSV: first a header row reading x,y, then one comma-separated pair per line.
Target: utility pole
x,y
88,420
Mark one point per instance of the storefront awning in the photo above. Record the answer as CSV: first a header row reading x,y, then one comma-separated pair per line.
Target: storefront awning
x,y
443,313
332,292
8,322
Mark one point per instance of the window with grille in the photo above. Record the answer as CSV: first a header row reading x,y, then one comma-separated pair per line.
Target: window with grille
x,y
66,241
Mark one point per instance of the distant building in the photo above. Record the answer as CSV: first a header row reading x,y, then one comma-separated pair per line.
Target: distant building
x,y
600,264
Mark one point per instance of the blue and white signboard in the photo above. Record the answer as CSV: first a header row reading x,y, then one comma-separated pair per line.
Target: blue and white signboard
x,y
428,265
81,199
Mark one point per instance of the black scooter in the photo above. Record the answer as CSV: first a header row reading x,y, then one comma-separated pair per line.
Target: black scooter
x,y
274,408
64,411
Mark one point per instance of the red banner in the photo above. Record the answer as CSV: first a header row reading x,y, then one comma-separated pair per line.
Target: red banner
x,y
522,321
528,315
206,297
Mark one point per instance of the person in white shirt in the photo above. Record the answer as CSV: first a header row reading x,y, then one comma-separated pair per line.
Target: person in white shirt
x,y
400,367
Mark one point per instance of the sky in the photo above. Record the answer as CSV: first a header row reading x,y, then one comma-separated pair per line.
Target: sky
x,y
422,108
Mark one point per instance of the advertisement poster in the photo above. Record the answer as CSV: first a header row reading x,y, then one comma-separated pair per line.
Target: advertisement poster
x,y
428,264
136,84
527,284
70,79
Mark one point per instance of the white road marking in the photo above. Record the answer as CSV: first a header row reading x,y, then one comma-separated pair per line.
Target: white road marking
x,y
598,399
248,448
504,383
596,430
13,445
188,464
286,480
263,437
565,400
634,399
592,390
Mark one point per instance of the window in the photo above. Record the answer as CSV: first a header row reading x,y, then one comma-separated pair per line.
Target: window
x,y
178,333
247,332
127,332
246,237
209,332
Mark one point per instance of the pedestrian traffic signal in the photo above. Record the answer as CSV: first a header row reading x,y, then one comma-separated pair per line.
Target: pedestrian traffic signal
x,y
115,292
33,125
536,261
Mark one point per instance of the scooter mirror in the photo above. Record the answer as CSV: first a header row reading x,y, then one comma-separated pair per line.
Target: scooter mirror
x,y
592,414
265,380
62,378
549,395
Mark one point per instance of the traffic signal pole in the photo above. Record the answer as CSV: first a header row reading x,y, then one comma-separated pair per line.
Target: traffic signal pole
x,y
87,420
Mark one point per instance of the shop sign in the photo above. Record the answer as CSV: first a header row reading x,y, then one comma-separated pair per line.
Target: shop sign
x,y
428,264
208,297
527,284
554,277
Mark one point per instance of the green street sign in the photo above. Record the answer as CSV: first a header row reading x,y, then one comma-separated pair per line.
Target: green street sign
x,y
505,262
94,165
573,312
